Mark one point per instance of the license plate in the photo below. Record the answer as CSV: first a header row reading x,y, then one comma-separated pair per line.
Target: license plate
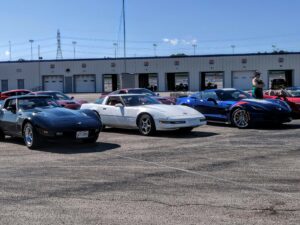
x,y
82,134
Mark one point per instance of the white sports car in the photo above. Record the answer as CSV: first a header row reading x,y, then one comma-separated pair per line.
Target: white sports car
x,y
144,113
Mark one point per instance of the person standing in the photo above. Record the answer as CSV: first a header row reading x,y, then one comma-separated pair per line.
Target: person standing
x,y
257,86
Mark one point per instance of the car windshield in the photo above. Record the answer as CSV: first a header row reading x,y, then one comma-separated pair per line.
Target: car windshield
x,y
31,103
231,95
141,91
136,100
294,93
56,96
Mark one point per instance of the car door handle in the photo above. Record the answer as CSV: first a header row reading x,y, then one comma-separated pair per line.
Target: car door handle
x,y
104,108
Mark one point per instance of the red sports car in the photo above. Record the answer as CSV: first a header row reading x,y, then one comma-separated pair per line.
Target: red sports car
x,y
293,101
6,94
163,100
62,99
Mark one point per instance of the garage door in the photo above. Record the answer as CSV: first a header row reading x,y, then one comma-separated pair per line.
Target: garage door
x,y
242,80
53,83
85,83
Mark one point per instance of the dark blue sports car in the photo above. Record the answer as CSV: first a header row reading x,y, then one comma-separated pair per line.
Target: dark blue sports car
x,y
233,106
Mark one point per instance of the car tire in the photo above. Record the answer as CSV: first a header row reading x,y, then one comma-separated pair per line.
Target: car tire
x,y
31,138
146,125
240,118
2,136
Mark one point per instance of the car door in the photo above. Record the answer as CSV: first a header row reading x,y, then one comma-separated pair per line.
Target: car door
x,y
9,117
212,107
111,113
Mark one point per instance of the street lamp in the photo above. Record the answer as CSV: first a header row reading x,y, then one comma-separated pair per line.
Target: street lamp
x,y
116,47
233,47
74,49
154,48
31,42
194,46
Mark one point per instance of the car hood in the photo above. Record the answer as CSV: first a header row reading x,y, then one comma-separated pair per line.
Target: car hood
x,y
67,102
172,110
267,104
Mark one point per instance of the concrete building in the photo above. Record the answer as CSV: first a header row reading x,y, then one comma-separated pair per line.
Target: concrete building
x,y
191,73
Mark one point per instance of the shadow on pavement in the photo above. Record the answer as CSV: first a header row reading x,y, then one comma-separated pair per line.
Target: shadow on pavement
x,y
286,126
68,148
166,134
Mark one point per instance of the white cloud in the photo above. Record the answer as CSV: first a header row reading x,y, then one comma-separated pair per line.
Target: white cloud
x,y
173,41
7,53
176,41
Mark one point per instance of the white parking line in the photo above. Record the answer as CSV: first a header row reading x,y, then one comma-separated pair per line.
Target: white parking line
x,y
207,176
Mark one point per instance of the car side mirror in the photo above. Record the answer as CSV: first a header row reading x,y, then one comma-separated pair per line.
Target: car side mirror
x,y
119,105
72,97
212,100
157,94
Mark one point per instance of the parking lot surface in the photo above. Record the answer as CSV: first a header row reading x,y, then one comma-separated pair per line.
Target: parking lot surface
x,y
215,175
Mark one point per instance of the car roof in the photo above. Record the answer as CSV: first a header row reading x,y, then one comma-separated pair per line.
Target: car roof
x,y
16,90
28,96
221,89
120,95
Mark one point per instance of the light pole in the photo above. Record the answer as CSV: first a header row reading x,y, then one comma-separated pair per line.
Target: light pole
x,y
9,50
154,48
74,49
233,47
194,46
116,47
31,42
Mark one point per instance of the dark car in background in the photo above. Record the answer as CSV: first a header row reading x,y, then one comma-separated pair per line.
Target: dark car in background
x,y
62,99
39,118
233,106
163,100
6,94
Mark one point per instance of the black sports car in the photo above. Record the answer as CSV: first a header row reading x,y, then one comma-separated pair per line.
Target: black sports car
x,y
38,118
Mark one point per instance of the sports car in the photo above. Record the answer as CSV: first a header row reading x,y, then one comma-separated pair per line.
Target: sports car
x,y
236,107
144,91
39,118
292,99
145,113
62,99
6,94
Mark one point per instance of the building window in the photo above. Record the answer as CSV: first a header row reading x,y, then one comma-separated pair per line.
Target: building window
x,y
176,63
4,85
211,62
19,70
244,61
113,64
280,60
146,63
21,84
52,66
83,65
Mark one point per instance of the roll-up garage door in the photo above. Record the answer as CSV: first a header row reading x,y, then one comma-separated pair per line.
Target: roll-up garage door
x,y
242,79
53,83
85,83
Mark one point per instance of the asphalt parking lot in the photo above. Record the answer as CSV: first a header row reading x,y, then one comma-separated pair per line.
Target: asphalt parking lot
x,y
215,175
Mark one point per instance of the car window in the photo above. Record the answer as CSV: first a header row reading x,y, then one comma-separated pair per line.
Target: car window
x,y
232,95
197,95
141,91
99,101
114,100
8,103
136,100
209,94
60,96
122,92
31,103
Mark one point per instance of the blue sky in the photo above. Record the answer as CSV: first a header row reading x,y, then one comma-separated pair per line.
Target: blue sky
x,y
173,25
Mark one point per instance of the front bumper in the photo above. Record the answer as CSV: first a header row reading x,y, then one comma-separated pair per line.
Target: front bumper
x,y
177,123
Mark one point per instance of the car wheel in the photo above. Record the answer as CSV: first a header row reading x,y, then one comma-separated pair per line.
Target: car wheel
x,y
146,125
31,138
2,136
241,118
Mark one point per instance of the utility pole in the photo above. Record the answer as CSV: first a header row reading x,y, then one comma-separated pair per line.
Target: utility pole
x,y
9,50
39,58
31,42
58,52
124,37
154,48
194,46
74,48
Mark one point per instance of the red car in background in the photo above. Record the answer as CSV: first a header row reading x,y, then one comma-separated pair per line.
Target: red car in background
x,y
163,100
293,101
62,99
6,94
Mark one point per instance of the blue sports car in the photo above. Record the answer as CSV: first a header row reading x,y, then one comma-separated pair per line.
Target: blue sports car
x,y
236,107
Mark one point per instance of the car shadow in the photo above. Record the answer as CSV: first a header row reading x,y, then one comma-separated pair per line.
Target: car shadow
x,y
269,126
68,148
164,134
